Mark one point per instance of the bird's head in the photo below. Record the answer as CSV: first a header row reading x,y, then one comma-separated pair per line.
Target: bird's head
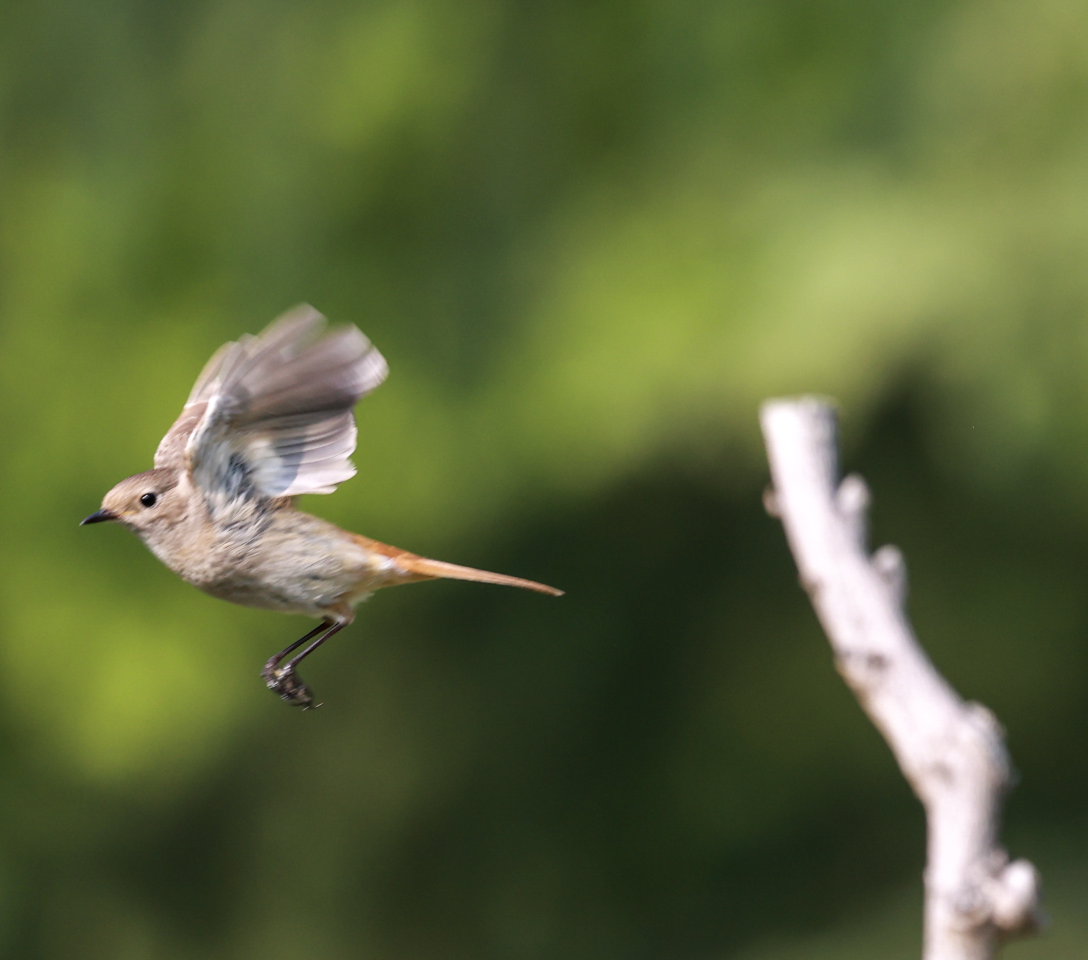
x,y
142,502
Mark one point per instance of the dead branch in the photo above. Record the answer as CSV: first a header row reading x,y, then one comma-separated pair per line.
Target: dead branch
x,y
952,752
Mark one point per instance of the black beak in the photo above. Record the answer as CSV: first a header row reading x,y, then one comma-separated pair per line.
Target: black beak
x,y
97,517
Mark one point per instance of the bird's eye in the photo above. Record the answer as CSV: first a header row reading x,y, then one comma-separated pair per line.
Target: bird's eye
x,y
148,499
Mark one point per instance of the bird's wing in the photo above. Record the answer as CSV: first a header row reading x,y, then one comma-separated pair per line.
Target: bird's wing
x,y
270,416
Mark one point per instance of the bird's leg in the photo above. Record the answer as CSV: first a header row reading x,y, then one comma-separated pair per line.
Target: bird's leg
x,y
274,661
283,680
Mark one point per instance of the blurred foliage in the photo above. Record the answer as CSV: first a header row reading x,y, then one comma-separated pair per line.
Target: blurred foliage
x,y
590,238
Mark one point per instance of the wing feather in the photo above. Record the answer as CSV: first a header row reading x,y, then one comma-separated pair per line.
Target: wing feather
x,y
271,415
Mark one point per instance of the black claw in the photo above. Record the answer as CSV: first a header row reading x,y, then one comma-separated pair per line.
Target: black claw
x,y
289,686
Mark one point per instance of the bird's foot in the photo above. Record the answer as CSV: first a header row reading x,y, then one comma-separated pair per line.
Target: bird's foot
x,y
288,685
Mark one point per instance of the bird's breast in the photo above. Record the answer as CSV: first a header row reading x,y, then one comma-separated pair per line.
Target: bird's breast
x,y
297,563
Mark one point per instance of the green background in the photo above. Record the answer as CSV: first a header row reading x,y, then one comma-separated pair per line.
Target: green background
x,y
590,237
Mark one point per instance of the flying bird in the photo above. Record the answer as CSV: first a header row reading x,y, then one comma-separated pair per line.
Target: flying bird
x,y
270,418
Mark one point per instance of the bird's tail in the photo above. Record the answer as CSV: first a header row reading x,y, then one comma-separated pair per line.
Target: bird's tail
x,y
414,567
425,568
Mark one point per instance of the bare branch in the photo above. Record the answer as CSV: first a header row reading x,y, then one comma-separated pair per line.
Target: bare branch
x,y
952,752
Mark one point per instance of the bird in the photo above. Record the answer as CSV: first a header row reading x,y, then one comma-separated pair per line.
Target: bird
x,y
270,418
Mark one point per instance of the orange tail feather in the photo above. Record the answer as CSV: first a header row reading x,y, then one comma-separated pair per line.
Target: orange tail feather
x,y
451,571
420,568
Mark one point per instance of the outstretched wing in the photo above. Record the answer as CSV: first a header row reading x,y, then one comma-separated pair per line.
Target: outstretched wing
x,y
270,416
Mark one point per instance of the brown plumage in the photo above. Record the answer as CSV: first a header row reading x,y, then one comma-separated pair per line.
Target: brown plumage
x,y
269,418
